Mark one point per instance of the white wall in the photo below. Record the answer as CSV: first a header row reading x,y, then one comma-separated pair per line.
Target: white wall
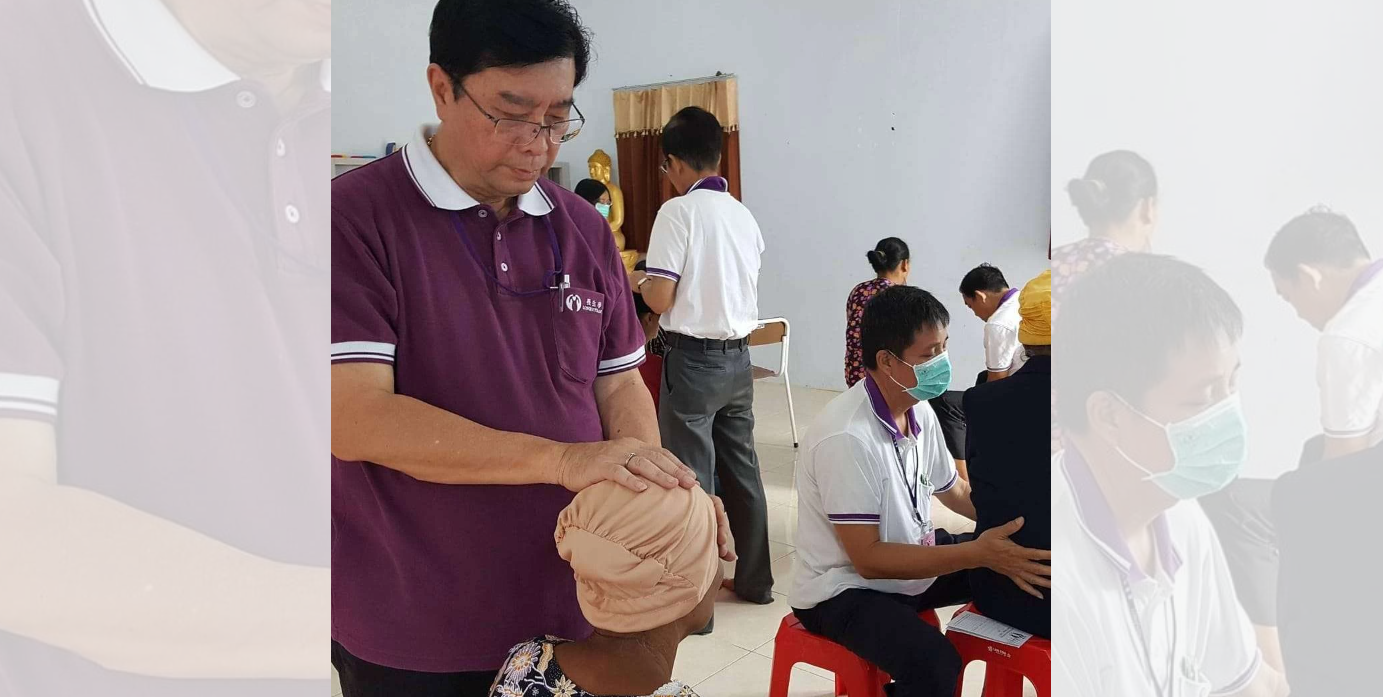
x,y
1242,141
927,121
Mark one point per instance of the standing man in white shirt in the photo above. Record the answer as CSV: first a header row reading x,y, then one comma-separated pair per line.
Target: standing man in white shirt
x,y
987,295
703,278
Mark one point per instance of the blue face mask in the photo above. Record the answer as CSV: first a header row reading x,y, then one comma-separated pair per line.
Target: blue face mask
x,y
933,377
604,209
1208,450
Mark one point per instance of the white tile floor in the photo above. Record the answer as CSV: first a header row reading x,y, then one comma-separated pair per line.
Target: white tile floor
x,y
736,660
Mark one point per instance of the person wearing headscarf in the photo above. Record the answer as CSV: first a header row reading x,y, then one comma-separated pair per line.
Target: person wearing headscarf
x,y
646,570
1010,468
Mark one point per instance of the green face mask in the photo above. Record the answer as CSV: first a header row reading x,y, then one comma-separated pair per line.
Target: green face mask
x,y
1208,450
604,209
933,377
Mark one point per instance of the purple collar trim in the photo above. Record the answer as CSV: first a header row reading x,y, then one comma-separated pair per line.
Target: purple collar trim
x,y
1008,294
1368,275
712,183
1098,520
876,400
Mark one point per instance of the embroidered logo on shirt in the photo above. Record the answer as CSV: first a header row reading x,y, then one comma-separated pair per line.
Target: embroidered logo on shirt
x,y
576,304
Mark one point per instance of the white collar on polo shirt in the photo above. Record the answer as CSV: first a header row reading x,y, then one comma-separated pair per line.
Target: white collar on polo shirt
x,y
159,51
442,191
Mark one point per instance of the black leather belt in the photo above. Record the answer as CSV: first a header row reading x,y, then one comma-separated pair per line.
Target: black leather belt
x,y
683,341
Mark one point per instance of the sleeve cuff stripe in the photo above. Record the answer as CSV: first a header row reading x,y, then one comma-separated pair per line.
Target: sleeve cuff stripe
x,y
1349,434
949,484
344,357
31,388
622,361
31,407
853,518
663,273
362,347
621,369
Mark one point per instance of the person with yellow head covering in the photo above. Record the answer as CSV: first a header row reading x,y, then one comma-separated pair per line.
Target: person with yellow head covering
x,y
1010,466
646,569
1035,313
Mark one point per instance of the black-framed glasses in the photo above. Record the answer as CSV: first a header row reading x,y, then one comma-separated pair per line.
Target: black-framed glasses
x,y
519,132
667,163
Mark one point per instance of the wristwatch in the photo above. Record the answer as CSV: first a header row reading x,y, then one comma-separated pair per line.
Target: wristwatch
x,y
645,279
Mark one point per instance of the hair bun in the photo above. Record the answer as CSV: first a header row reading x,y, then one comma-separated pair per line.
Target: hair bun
x,y
874,256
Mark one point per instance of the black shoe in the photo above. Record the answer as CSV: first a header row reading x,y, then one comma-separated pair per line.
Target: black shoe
x,y
765,599
711,625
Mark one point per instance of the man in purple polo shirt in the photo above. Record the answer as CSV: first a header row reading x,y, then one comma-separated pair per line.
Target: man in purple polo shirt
x,y
163,291
484,342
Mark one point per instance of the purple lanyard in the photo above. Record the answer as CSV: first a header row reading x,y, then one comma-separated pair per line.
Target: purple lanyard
x,y
552,280
713,183
1368,275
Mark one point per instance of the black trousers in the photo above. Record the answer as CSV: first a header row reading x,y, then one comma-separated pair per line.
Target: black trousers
x,y
361,678
884,629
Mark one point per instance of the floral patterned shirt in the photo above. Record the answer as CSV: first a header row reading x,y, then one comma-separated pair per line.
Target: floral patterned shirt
x,y
531,670
1069,262
854,314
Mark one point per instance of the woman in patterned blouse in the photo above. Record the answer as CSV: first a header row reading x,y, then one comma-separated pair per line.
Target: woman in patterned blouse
x,y
891,265
1117,201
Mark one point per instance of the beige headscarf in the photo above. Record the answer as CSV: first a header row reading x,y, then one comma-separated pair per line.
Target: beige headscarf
x,y
1035,311
642,560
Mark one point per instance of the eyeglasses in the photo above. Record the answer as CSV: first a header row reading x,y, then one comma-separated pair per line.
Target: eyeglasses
x,y
518,132
667,162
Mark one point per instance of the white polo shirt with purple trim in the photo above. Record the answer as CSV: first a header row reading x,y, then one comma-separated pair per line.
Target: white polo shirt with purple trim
x,y
1178,630
468,311
1002,349
858,469
1349,366
708,243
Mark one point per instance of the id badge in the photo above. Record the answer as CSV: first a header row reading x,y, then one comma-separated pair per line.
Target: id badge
x,y
928,535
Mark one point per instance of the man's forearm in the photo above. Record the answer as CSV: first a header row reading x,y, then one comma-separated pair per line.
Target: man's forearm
x,y
435,445
957,499
137,593
892,560
626,408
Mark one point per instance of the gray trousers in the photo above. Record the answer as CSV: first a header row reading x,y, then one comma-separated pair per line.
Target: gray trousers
x,y
706,416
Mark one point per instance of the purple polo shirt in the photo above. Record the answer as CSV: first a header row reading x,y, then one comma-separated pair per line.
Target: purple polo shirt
x,y
163,284
445,578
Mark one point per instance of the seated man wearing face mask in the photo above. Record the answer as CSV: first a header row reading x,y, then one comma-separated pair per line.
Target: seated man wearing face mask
x,y
868,558
1147,606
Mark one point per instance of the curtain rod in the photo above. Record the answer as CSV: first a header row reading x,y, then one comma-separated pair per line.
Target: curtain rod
x,y
690,81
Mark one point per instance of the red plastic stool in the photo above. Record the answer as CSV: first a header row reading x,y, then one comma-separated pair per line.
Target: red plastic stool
x,y
1004,666
855,676
652,373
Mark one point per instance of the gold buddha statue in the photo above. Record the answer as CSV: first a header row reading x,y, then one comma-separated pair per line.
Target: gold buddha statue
x,y
600,168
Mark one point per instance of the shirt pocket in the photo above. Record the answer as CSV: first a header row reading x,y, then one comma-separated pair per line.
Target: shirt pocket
x,y
1189,686
578,320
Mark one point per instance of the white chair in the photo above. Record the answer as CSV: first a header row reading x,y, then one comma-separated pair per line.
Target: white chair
x,y
776,330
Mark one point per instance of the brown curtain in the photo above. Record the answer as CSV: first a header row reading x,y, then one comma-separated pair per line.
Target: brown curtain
x,y
640,115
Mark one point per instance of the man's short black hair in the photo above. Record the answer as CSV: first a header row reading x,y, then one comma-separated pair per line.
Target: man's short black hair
x,y
1122,323
893,318
983,277
1318,237
693,135
468,36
